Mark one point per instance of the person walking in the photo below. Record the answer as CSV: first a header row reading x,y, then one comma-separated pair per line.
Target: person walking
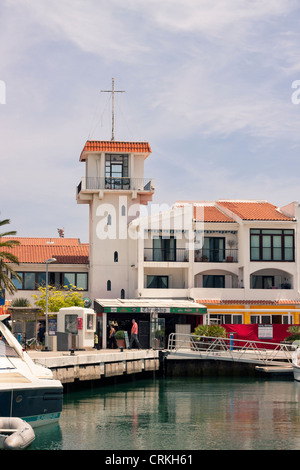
x,y
134,335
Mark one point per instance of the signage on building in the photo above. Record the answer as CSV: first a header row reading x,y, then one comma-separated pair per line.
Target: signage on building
x,y
265,331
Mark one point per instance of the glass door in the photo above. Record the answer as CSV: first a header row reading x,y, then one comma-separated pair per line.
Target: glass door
x,y
157,333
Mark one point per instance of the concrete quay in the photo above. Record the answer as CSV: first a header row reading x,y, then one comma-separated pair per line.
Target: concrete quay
x,y
92,364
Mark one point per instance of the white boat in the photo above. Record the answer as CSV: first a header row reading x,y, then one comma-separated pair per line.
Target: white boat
x,y
296,364
27,390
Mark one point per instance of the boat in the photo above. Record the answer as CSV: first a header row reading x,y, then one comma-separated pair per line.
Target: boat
x,y
296,364
15,434
27,390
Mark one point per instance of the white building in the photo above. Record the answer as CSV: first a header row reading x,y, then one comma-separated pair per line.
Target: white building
x,y
238,254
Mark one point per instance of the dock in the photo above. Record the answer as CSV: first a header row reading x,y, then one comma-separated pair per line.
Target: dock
x,y
91,364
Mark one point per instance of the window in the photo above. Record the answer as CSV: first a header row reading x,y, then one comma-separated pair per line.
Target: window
x,y
18,284
108,285
71,324
123,211
215,281
262,282
214,248
157,282
116,257
116,172
122,294
69,280
34,280
109,219
271,245
164,249
29,281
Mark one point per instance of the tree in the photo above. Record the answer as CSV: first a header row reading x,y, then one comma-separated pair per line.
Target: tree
x,y
6,259
58,299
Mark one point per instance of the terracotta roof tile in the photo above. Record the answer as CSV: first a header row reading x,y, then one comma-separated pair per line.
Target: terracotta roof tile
x,y
210,214
112,146
46,241
254,210
248,302
37,251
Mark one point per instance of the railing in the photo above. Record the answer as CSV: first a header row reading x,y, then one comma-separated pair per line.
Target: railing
x,y
217,256
158,254
230,349
122,183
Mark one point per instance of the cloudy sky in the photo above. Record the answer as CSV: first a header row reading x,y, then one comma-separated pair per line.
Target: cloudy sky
x,y
209,84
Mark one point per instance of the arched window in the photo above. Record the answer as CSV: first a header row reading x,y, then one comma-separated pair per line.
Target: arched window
x,y
122,294
108,285
109,219
116,257
123,210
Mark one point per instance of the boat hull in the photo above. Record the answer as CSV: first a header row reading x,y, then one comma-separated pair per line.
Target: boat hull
x,y
37,405
296,371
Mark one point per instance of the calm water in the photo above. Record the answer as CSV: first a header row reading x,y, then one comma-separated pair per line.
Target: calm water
x,y
179,414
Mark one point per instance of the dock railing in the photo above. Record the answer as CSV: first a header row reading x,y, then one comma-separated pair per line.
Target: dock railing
x,y
229,349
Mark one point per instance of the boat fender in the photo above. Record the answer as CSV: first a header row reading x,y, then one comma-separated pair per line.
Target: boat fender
x,y
21,438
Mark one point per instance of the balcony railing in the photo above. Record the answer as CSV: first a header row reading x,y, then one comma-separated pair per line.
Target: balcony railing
x,y
217,256
123,183
157,254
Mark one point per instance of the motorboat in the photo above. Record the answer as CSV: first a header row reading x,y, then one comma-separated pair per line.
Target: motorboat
x,y
296,364
27,390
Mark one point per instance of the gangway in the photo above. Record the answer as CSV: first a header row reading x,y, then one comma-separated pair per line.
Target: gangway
x,y
184,346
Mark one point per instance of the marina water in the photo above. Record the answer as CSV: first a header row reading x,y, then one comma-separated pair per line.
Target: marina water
x,y
201,413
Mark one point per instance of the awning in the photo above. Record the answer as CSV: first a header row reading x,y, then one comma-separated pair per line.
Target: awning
x,y
187,307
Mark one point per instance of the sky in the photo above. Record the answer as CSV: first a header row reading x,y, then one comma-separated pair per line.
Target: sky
x,y
212,85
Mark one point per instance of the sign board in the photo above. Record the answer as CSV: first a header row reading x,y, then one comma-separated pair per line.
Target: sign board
x,y
126,339
52,324
2,299
265,331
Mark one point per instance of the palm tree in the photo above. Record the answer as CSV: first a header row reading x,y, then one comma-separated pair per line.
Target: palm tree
x,y
6,258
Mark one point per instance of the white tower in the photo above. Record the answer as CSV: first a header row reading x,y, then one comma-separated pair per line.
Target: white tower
x,y
114,187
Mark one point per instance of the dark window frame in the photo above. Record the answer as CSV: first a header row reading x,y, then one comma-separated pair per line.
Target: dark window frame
x,y
261,233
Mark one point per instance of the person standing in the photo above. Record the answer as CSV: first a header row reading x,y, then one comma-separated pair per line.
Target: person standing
x,y
134,335
112,342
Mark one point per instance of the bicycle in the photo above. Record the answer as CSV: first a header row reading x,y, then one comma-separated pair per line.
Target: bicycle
x,y
33,343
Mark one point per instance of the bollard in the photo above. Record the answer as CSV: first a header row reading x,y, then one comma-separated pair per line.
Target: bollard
x,y
231,342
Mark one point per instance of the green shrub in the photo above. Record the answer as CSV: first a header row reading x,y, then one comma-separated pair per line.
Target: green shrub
x,y
210,330
120,334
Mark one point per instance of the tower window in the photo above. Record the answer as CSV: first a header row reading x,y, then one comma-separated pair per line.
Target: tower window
x,y
122,294
109,219
116,257
123,211
108,285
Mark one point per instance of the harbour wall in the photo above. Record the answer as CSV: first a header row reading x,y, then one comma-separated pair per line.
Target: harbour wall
x,y
82,366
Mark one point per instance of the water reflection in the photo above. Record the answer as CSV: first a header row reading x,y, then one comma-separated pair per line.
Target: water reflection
x,y
179,414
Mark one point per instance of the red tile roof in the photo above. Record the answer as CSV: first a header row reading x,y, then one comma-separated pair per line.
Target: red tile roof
x,y
114,147
210,214
46,241
237,302
36,250
254,210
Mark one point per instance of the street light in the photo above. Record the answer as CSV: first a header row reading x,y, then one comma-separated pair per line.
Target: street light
x,y
48,261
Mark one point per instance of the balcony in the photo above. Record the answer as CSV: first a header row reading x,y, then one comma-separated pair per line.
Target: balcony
x,y
217,256
158,254
90,184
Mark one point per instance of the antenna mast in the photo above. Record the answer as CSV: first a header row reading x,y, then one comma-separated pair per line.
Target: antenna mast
x,y
112,91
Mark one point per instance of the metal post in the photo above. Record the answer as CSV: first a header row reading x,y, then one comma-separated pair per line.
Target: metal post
x,y
51,260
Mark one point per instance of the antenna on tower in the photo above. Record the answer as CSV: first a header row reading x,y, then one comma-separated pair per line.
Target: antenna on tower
x,y
112,91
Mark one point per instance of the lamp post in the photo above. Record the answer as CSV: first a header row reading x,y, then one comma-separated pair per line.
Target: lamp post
x,y
48,261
